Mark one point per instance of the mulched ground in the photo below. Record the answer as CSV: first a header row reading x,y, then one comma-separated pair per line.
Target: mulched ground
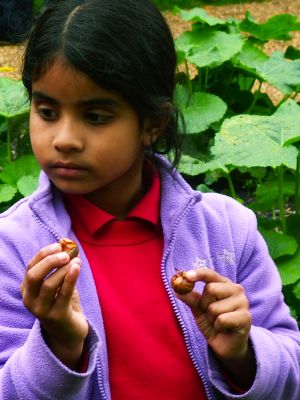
x,y
11,56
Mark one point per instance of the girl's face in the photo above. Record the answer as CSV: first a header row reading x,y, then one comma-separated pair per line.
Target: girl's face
x,y
87,139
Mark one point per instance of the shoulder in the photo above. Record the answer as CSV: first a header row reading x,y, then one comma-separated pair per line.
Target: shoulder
x,y
228,224
225,209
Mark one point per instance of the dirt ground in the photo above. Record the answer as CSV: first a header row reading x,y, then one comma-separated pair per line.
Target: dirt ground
x,y
11,56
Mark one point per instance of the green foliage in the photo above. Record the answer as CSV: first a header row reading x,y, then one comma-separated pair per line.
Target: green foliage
x,y
18,168
238,140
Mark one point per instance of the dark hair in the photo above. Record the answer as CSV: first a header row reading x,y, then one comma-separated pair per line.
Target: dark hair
x,y
123,46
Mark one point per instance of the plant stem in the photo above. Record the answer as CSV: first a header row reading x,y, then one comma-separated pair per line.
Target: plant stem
x,y
231,187
189,81
297,186
206,78
255,96
281,199
8,139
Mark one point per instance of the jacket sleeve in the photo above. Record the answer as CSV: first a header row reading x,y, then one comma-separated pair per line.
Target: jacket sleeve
x,y
274,334
28,369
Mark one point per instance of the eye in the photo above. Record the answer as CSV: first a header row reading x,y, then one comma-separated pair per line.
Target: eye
x,y
47,113
97,118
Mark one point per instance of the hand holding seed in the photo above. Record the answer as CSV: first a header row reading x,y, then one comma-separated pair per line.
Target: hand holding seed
x,y
49,293
221,311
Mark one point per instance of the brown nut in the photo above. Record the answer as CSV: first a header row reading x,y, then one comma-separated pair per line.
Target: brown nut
x,y
69,247
180,283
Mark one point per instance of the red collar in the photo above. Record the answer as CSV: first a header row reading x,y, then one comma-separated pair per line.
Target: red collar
x,y
92,219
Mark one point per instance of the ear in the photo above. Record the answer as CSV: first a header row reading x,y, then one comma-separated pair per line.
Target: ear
x,y
154,127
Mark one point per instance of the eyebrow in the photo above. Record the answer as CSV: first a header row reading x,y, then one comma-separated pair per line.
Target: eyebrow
x,y
95,101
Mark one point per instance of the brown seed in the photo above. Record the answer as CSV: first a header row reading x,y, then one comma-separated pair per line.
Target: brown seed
x,y
69,247
180,283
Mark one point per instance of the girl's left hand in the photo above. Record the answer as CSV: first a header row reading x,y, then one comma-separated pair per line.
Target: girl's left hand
x,y
222,314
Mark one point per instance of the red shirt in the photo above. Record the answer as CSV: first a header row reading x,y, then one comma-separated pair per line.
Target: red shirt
x,y
146,350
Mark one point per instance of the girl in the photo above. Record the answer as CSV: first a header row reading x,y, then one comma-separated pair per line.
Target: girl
x,y
107,324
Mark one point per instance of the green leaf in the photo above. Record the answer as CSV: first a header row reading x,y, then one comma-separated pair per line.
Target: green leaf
x,y
7,193
193,166
27,184
293,223
288,115
25,165
253,141
209,48
267,193
277,27
292,53
204,188
290,269
296,290
282,73
198,14
202,110
279,244
13,98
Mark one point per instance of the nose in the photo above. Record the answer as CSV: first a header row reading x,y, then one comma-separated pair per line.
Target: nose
x,y
67,136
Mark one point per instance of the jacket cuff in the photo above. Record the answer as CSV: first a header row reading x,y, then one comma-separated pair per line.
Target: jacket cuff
x,y
40,363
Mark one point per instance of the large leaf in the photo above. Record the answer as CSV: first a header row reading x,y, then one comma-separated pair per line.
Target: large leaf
x,y
7,193
198,14
26,165
201,110
13,98
27,184
277,27
278,71
290,269
258,141
288,115
279,244
208,47
194,166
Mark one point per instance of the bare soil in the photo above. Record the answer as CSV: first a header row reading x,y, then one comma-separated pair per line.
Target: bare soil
x,y
11,56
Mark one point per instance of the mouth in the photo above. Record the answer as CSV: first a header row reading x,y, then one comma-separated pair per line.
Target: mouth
x,y
67,169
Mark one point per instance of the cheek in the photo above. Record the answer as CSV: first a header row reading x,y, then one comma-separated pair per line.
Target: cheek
x,y
37,138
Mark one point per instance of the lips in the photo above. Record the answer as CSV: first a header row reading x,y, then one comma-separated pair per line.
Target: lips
x,y
66,165
68,169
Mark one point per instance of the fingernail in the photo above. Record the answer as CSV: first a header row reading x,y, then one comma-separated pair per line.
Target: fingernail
x,y
191,274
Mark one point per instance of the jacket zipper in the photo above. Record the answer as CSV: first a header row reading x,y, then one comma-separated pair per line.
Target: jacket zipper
x,y
175,306
100,378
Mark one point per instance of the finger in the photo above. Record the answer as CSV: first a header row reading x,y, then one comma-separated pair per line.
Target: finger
x,y
68,286
224,306
36,275
205,275
238,321
44,252
51,288
217,291
192,299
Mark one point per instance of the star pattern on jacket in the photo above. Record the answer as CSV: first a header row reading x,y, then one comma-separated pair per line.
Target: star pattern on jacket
x,y
200,263
227,257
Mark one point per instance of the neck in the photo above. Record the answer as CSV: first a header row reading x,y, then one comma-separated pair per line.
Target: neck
x,y
119,197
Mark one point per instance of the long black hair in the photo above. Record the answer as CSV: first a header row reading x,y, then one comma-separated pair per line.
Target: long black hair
x,y
123,46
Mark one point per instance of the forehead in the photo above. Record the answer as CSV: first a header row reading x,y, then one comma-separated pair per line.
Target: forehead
x,y
62,80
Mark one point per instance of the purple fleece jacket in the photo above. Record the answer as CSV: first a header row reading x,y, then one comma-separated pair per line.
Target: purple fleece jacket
x,y
199,229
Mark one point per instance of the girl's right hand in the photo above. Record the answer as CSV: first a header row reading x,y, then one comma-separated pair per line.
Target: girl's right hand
x,y
49,293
